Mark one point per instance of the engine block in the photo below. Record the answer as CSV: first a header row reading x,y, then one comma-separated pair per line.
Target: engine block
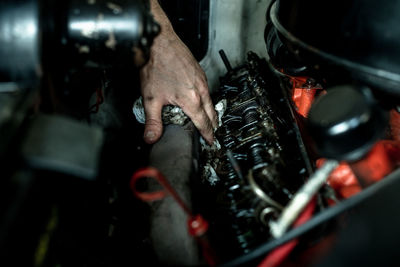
x,y
259,163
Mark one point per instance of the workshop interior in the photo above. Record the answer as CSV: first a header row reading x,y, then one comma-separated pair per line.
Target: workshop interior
x,y
304,170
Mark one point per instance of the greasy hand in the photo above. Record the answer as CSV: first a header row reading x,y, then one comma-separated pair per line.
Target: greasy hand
x,y
173,76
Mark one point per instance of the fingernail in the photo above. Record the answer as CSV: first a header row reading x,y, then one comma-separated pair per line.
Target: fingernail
x,y
149,135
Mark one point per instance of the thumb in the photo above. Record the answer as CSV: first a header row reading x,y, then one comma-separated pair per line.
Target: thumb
x,y
153,128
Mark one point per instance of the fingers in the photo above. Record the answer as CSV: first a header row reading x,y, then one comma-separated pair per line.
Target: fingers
x,y
194,108
203,124
209,108
153,128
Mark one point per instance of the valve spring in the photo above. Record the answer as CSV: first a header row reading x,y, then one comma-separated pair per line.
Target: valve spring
x,y
253,84
231,173
242,232
251,116
245,94
257,154
228,141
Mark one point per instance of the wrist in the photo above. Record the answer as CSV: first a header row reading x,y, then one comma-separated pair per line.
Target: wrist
x,y
167,33
160,17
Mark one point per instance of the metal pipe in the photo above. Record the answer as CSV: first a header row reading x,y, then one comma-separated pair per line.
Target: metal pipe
x,y
302,198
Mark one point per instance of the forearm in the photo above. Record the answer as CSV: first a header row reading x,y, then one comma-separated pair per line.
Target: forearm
x,y
167,36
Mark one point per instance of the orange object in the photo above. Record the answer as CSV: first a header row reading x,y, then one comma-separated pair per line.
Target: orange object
x,y
379,162
343,180
395,125
303,94
383,158
349,178
303,99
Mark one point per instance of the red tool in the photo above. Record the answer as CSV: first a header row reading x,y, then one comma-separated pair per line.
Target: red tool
x,y
197,225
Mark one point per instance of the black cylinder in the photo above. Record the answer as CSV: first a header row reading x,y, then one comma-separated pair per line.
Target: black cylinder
x,y
345,123
110,32
103,33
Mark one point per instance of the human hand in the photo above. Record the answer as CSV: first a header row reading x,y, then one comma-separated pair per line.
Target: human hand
x,y
173,76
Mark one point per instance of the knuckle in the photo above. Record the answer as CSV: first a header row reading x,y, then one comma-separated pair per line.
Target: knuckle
x,y
153,122
177,97
204,92
195,97
148,98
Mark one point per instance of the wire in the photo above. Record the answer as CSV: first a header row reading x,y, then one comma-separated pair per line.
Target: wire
x,y
276,257
99,101
317,220
302,197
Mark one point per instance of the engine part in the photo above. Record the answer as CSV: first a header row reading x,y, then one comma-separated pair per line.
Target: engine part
x,y
359,203
44,207
382,159
348,132
168,222
259,164
100,31
302,198
36,35
358,37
